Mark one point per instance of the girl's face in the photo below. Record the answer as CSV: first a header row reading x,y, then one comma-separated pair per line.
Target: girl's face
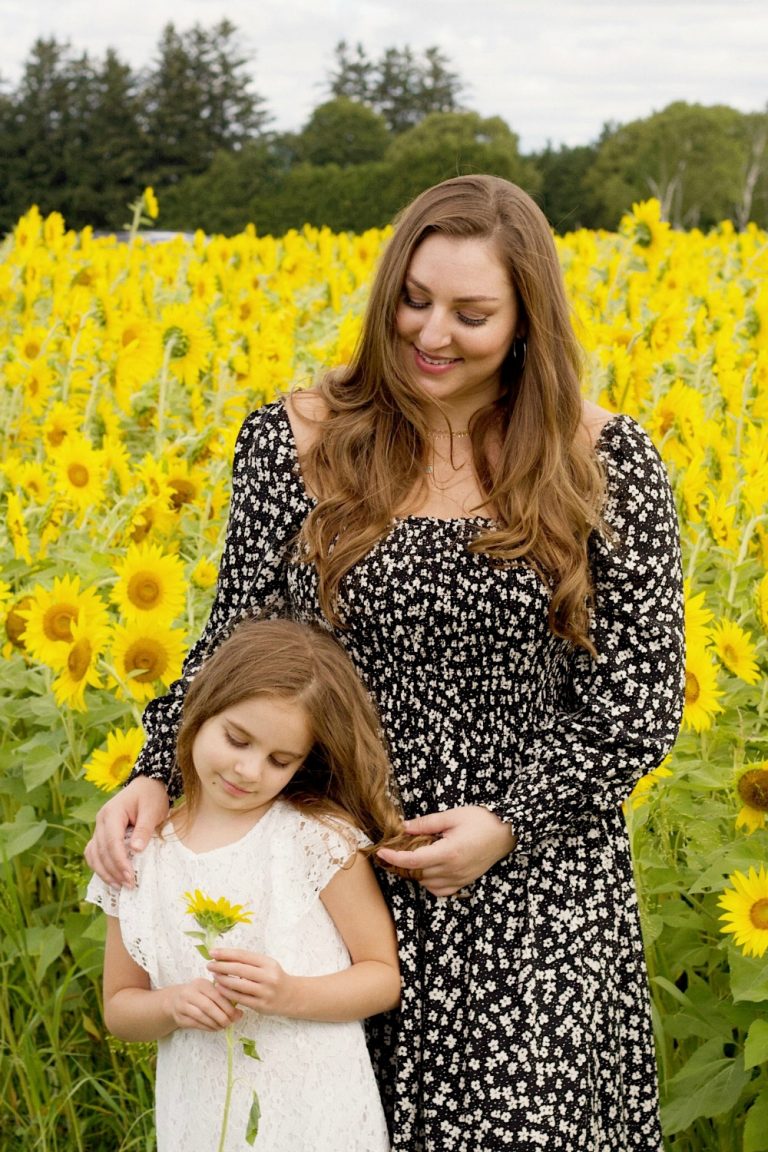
x,y
246,755
456,321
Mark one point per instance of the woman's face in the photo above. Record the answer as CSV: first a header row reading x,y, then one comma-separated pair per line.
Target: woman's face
x,y
456,321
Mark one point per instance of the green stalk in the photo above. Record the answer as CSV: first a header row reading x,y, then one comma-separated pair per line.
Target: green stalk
x,y
230,1081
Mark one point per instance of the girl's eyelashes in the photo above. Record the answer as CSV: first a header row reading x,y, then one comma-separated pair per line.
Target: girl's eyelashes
x,y
233,740
470,321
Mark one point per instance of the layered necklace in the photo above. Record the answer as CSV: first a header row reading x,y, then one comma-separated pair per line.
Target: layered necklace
x,y
462,435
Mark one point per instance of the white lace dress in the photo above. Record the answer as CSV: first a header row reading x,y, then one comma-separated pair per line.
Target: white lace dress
x,y
314,1080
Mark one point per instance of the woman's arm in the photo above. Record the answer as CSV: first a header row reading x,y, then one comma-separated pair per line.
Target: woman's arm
x,y
370,985
135,1011
266,509
581,763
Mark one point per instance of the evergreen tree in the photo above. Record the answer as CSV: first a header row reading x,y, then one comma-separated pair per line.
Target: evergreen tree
x,y
400,86
198,100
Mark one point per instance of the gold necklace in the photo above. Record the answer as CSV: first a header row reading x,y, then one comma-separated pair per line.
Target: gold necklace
x,y
445,435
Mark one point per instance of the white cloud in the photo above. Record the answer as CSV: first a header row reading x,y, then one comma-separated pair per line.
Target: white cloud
x,y
553,69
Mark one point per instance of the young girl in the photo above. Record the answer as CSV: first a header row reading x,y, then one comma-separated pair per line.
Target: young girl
x,y
285,785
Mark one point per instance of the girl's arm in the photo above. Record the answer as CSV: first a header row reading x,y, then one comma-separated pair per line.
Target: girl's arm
x,y
135,1011
370,985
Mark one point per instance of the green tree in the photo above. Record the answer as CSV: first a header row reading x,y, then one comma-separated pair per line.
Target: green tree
x,y
564,197
198,100
342,132
449,144
402,87
693,158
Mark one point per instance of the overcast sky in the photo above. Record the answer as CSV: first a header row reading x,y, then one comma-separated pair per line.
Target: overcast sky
x,y
555,70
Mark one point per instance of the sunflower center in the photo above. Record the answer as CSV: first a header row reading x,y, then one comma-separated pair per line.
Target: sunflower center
x,y
78,475
130,336
147,659
183,492
692,688
144,591
55,436
58,620
120,767
180,341
730,655
79,659
758,914
31,350
753,788
16,624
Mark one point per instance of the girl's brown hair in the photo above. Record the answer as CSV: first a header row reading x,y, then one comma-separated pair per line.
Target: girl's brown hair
x,y
347,771
536,467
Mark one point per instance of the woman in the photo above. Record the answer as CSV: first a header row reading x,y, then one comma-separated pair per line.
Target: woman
x,y
501,561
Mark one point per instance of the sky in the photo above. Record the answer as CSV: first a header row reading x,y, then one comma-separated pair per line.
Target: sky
x,y
555,70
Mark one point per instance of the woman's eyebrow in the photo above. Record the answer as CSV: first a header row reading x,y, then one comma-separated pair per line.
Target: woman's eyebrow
x,y
458,300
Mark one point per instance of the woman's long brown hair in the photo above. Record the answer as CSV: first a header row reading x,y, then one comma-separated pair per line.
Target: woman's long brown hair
x,y
347,772
536,467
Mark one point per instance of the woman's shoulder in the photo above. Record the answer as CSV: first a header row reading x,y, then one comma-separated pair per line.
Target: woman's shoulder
x,y
593,420
307,410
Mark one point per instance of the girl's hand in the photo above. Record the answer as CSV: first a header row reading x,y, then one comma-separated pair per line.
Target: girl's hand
x,y
472,840
254,981
200,1005
142,804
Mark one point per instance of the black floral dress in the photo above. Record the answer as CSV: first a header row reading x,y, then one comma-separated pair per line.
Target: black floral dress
x,y
525,1018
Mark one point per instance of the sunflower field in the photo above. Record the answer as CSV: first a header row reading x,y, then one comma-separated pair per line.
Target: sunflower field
x,y
126,369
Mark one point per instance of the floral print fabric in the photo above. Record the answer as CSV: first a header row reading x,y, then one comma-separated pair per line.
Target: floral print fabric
x,y
525,1016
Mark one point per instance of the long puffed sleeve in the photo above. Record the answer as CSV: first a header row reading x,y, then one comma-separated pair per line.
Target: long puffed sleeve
x,y
625,707
267,507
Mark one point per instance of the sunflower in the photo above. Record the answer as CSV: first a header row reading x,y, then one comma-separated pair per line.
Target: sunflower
x,y
204,574
139,352
33,481
17,528
185,486
752,789
721,517
108,767
215,916
88,642
80,473
640,794
16,626
145,654
645,227
52,614
187,342
150,584
746,911
153,516
702,695
60,423
736,650
151,206
698,619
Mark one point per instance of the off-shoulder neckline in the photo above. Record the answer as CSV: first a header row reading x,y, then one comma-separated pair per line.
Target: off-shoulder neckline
x,y
615,421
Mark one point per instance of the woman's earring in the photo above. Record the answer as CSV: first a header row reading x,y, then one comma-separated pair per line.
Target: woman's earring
x,y
518,353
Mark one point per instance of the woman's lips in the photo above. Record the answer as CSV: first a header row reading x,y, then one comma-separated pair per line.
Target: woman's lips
x,y
434,365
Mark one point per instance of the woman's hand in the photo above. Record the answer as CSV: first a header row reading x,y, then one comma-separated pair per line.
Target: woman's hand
x,y
142,805
253,981
200,1004
472,840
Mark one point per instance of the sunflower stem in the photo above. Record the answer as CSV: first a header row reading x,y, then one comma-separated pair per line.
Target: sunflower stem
x,y
162,395
228,1094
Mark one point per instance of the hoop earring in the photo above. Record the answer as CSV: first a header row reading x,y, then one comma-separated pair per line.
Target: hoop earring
x,y
518,354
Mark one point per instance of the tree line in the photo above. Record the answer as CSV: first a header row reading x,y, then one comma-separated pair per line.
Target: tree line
x,y
82,136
